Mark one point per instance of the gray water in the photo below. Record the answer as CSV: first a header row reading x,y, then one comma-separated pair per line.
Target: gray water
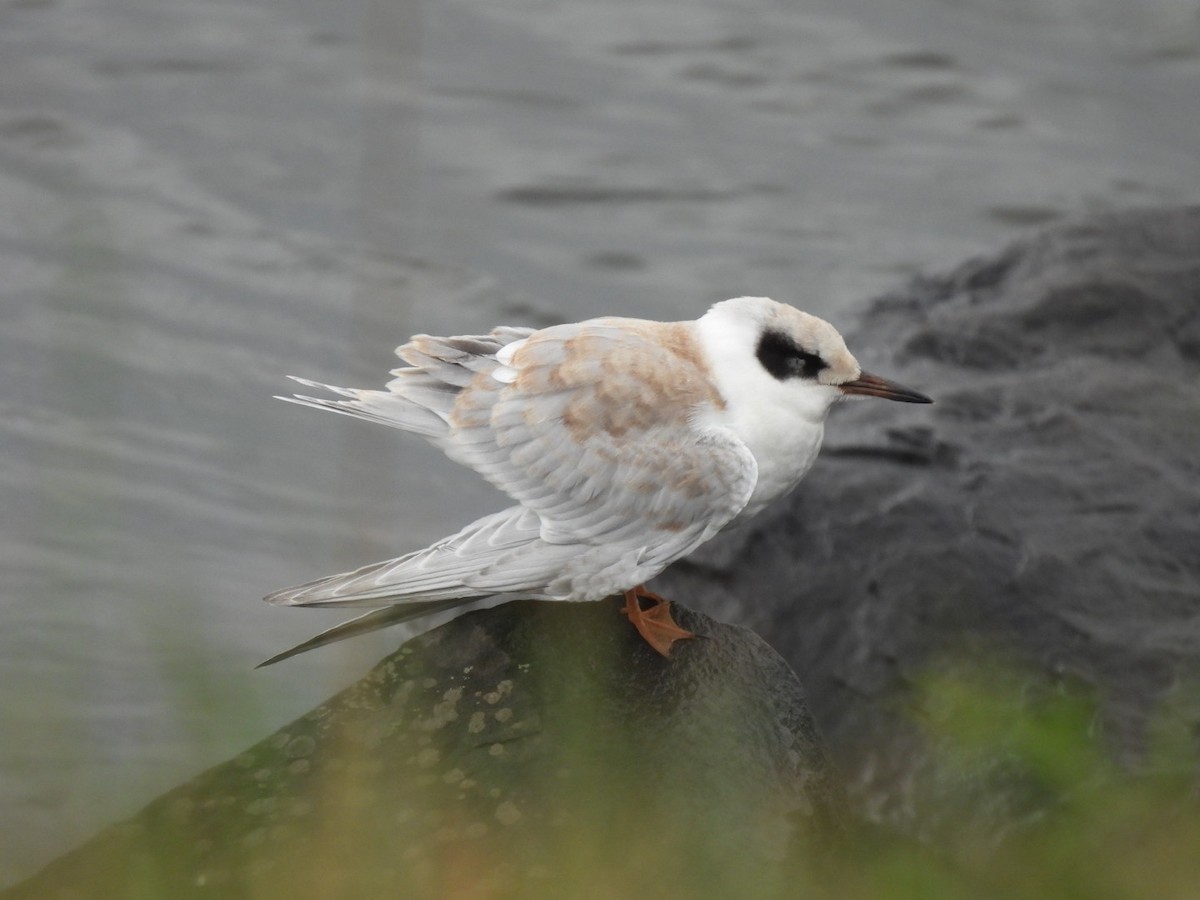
x,y
197,199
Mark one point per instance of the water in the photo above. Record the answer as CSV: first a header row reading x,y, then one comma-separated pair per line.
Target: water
x,y
197,199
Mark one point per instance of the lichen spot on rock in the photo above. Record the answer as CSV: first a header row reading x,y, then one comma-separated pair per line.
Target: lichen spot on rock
x,y
503,689
299,747
507,813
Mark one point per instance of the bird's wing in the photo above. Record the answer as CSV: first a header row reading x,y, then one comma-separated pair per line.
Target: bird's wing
x,y
373,620
610,431
604,432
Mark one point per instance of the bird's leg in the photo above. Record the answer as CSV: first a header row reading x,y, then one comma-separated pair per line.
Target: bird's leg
x,y
654,624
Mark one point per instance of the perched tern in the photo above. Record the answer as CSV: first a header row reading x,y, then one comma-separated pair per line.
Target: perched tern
x,y
625,443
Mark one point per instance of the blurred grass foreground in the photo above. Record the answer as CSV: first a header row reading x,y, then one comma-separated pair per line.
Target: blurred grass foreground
x,y
540,750
1031,802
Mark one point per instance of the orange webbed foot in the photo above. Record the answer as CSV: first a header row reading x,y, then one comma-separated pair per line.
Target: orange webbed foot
x,y
655,624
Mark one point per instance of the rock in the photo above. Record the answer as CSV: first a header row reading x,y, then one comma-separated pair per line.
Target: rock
x,y
500,754
1046,508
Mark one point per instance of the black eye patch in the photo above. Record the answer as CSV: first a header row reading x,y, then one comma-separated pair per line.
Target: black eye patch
x,y
783,359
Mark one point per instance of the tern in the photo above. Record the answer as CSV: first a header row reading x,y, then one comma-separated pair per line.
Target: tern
x,y
625,444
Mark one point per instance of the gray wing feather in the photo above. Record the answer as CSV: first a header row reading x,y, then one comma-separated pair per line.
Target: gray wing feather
x,y
481,560
365,624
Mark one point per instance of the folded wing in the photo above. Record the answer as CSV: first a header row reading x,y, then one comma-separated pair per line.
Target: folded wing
x,y
607,435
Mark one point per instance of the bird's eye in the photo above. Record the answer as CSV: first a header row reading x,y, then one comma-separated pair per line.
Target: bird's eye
x,y
781,357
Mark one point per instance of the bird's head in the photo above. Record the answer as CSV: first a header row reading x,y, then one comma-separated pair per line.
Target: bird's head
x,y
768,354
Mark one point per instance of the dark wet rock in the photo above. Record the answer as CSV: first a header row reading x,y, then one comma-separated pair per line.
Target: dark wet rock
x,y
510,750
1046,508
